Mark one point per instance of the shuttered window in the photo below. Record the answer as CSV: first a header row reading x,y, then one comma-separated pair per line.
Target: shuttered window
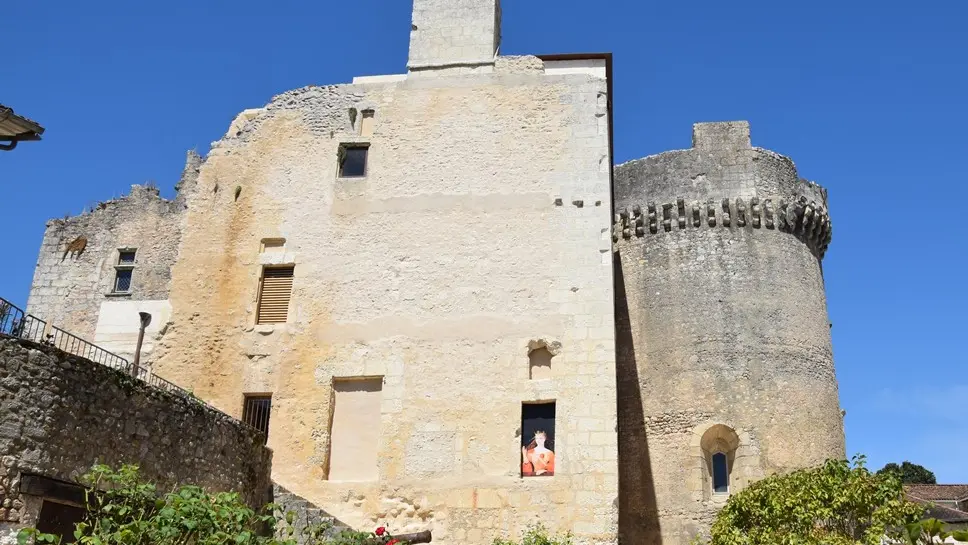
x,y
274,295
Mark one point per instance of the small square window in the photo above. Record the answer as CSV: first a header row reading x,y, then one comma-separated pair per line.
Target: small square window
x,y
122,281
126,257
352,161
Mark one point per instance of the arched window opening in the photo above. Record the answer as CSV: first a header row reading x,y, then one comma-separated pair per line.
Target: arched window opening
x,y
720,473
718,446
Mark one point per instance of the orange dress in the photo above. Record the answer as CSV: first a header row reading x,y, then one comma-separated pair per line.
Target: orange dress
x,y
542,464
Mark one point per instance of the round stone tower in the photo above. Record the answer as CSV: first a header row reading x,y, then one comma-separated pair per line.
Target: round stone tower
x,y
725,367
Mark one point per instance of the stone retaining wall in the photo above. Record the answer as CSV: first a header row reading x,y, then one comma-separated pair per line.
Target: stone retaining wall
x,y
62,414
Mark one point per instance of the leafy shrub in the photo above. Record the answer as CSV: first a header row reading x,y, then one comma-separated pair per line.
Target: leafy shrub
x,y
122,509
838,503
538,535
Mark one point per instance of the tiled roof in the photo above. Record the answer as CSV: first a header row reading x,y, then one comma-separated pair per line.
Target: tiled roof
x,y
13,126
937,492
942,513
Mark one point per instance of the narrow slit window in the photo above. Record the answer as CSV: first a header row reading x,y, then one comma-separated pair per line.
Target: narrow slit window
x,y
366,124
720,473
538,439
274,295
352,161
256,411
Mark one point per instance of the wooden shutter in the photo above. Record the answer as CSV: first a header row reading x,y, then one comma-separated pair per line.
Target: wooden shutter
x,y
274,295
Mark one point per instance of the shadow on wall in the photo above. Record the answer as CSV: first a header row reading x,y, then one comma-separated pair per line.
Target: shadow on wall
x,y
638,515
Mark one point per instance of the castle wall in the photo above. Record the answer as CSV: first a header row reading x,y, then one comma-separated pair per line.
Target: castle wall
x,y
75,290
62,414
481,231
723,337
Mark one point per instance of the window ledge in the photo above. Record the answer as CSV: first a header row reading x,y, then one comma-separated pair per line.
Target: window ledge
x,y
118,294
266,329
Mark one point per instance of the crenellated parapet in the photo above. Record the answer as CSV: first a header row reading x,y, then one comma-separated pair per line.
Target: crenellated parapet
x,y
803,218
722,182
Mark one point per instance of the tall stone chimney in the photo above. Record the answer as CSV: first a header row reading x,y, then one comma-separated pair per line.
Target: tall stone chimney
x,y
454,34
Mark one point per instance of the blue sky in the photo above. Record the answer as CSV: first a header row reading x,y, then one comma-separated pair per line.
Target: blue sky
x,y
869,99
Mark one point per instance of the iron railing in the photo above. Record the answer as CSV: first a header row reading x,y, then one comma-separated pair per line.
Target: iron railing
x,y
14,322
72,344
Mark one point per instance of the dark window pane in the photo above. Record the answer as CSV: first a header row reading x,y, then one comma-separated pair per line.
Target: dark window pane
x,y
126,258
720,473
59,519
256,413
122,282
354,163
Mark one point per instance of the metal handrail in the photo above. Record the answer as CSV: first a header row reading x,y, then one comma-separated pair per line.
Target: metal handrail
x,y
15,323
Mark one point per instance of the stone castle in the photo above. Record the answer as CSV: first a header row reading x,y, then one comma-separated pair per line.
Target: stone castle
x,y
451,312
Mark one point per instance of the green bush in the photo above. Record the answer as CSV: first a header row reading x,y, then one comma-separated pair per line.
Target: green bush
x,y
838,503
123,509
538,535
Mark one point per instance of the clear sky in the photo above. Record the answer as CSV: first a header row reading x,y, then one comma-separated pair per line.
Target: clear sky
x,y
868,97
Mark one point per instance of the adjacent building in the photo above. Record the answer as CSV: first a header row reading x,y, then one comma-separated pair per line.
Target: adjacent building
x,y
16,128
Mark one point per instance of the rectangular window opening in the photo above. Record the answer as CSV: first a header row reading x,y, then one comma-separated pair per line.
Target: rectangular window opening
x,y
538,439
59,519
352,161
366,125
273,245
275,291
256,411
122,280
126,257
355,430
720,473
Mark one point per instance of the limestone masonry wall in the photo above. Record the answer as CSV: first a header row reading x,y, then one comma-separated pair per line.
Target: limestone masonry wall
x,y
72,284
481,230
722,331
62,414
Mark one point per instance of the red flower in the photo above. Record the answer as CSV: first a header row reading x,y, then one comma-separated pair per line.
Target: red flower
x,y
380,531
393,542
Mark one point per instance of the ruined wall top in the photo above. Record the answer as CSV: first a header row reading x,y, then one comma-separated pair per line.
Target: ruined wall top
x,y
454,34
722,164
721,181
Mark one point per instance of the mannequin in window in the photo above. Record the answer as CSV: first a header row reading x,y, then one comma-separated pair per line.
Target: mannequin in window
x,y
720,474
537,459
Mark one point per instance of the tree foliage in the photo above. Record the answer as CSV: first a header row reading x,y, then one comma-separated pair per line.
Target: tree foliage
x,y
838,503
123,509
910,473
